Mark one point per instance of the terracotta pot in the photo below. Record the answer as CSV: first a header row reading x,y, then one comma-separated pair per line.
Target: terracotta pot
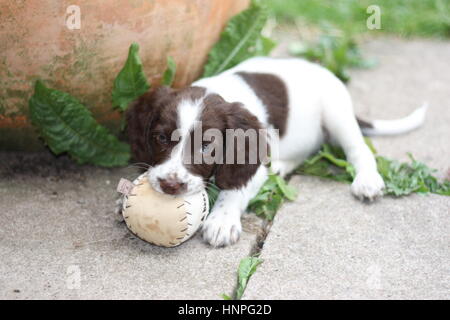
x,y
37,42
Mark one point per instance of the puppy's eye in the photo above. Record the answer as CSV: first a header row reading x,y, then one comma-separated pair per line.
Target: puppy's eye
x,y
161,138
205,147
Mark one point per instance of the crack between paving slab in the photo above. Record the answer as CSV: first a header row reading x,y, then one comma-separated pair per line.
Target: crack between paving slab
x,y
255,251
258,246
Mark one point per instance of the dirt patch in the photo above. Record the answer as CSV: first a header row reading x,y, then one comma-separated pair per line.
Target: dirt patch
x,y
44,164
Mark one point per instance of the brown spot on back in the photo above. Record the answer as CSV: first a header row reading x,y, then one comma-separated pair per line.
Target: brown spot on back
x,y
272,91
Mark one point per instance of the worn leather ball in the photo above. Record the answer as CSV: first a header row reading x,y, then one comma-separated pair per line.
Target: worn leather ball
x,y
161,219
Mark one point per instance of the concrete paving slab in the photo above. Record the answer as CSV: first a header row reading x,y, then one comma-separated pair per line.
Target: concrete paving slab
x,y
409,73
327,245
57,224
60,239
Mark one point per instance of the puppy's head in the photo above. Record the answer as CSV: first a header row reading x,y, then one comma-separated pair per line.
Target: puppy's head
x,y
187,136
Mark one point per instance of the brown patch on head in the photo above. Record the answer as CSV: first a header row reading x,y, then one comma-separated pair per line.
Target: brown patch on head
x,y
212,117
272,91
152,119
231,176
221,115
154,116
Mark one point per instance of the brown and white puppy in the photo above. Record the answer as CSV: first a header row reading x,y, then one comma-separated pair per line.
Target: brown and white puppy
x,y
188,135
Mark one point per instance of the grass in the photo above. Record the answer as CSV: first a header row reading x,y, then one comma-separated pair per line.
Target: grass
x,y
342,22
401,178
271,196
424,18
336,53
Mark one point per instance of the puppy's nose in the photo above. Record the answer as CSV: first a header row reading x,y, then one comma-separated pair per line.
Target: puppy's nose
x,y
172,186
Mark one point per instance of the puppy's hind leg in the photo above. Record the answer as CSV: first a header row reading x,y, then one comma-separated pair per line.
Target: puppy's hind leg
x,y
340,121
284,167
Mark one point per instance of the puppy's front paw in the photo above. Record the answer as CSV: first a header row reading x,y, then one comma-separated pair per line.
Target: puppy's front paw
x,y
222,228
368,185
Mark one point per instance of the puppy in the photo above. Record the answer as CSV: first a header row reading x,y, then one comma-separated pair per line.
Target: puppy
x,y
303,103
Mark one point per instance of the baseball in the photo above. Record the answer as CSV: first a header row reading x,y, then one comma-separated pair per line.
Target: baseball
x,y
161,219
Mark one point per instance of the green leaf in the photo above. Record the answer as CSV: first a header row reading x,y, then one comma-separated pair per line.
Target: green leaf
x,y
369,143
240,40
213,193
319,168
131,81
264,46
68,126
337,162
225,297
336,53
169,74
247,268
405,178
329,163
271,196
288,191
400,178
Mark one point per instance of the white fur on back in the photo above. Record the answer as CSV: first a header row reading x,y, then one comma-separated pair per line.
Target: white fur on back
x,y
305,83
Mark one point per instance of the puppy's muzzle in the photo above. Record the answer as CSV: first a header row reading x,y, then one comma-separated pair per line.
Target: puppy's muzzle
x,y
172,186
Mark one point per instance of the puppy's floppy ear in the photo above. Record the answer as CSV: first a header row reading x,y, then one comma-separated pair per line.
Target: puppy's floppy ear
x,y
140,116
236,175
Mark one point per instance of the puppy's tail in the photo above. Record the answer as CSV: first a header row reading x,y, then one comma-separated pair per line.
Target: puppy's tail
x,y
393,127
